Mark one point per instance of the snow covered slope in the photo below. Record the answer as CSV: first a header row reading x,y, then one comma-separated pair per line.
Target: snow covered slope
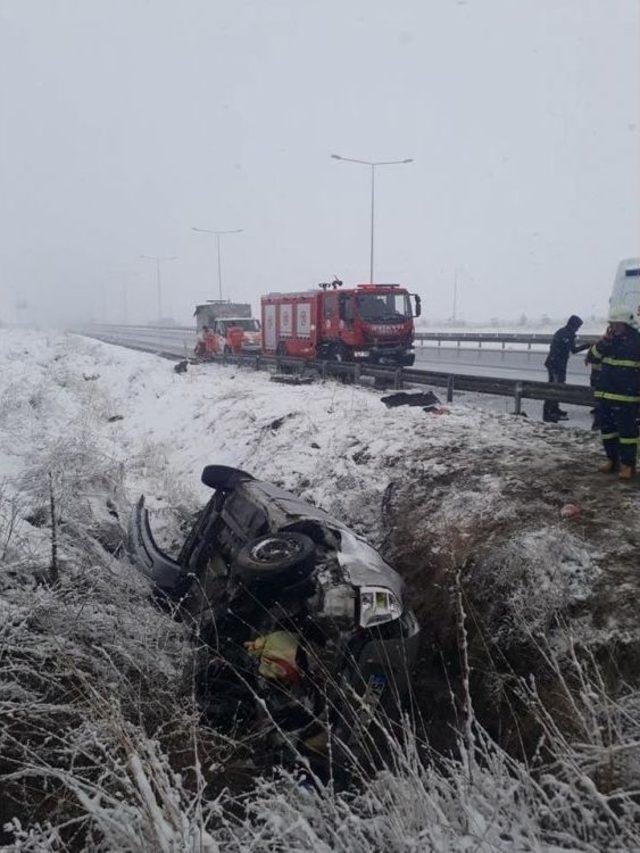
x,y
417,484
466,492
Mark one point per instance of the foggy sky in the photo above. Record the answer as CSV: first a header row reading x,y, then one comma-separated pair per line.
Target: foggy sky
x,y
123,123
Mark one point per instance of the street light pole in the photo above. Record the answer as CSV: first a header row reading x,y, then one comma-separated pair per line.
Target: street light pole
x,y
372,164
158,280
217,235
373,197
158,260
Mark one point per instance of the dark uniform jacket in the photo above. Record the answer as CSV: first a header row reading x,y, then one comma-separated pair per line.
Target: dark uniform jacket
x,y
562,345
619,379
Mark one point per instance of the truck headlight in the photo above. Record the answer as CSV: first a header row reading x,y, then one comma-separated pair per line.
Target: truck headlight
x,y
378,605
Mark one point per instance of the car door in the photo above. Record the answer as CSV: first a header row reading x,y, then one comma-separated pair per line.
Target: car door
x,y
167,574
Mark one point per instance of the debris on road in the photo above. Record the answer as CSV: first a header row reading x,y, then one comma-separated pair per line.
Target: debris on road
x,y
402,398
284,379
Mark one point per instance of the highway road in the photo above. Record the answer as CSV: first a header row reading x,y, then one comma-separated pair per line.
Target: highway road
x,y
513,362
507,363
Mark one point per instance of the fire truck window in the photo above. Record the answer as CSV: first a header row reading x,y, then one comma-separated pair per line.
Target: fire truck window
x,y
329,307
346,308
384,307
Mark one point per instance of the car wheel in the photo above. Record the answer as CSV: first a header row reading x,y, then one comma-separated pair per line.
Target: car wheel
x,y
271,559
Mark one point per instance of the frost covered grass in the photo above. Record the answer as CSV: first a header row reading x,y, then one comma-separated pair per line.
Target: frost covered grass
x,y
525,727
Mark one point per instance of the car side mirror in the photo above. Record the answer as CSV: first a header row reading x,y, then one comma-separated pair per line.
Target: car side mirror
x,y
418,305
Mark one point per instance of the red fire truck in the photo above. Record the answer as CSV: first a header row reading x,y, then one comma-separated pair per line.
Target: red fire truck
x,y
370,322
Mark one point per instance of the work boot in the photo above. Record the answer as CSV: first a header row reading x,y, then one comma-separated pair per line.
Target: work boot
x,y
627,473
608,466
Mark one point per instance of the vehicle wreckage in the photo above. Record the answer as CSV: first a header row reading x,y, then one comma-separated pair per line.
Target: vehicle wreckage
x,y
302,623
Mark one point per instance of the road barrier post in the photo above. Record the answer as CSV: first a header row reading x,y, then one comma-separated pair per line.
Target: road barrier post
x,y
397,380
450,383
517,398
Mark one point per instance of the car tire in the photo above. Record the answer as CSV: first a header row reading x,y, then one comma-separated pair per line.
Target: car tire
x,y
275,558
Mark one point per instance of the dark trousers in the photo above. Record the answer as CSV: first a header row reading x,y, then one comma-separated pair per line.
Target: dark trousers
x,y
551,409
619,427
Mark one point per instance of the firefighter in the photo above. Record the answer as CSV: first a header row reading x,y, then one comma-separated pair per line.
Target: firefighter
x,y
562,345
618,394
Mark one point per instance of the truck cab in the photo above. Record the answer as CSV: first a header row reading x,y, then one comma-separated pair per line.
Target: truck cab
x,y
226,327
371,322
232,335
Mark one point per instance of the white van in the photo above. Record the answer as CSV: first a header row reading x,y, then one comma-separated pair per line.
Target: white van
x,y
624,305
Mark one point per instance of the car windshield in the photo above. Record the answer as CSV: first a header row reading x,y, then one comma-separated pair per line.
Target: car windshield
x,y
384,307
248,324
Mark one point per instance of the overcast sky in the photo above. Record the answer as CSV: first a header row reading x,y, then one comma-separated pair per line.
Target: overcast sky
x,y
123,123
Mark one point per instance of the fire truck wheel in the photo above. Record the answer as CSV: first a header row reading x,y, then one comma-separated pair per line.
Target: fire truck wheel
x,y
340,353
276,558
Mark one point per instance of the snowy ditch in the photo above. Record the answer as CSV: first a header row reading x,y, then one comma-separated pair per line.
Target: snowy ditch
x,y
93,674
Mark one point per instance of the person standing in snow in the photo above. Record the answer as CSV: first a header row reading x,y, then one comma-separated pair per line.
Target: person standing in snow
x,y
618,394
563,345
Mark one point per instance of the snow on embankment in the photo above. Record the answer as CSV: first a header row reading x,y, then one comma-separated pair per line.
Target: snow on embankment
x,y
466,491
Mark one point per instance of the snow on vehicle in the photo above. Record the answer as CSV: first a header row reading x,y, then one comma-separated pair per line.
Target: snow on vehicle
x,y
370,322
226,327
296,607
625,296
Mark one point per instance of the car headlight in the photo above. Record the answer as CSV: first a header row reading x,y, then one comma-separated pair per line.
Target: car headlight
x,y
378,605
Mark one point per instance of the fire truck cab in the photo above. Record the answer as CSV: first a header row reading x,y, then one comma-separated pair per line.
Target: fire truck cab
x,y
370,323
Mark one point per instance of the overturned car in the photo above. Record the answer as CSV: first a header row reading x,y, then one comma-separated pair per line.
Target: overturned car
x,y
301,622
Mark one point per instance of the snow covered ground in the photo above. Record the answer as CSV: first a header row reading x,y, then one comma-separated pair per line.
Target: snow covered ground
x,y
469,493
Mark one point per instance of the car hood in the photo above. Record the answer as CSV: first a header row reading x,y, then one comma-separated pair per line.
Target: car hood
x,y
361,564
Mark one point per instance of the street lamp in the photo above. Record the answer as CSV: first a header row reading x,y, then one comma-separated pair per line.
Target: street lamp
x,y
372,164
158,261
217,235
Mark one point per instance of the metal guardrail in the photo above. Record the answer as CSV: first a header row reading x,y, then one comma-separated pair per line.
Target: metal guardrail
x,y
528,339
518,389
495,338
